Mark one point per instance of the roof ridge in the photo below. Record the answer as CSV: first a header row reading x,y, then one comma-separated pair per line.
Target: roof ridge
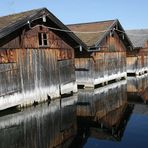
x,y
38,9
90,22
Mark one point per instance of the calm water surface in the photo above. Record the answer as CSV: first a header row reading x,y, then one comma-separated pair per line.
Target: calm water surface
x,y
108,117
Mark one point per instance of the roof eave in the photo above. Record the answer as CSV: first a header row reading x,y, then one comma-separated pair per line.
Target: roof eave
x,y
19,24
128,39
62,26
105,34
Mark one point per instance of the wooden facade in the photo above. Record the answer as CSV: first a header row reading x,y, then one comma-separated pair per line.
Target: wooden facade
x,y
101,67
36,63
137,59
106,57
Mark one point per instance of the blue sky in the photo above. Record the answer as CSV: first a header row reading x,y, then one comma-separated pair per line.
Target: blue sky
x,y
133,14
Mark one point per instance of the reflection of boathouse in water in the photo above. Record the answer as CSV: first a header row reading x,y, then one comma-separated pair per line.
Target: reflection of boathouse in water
x,y
41,126
106,108
137,88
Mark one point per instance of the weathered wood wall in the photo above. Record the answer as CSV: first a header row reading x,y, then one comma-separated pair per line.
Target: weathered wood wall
x,y
84,71
33,72
9,79
137,61
102,66
144,59
107,64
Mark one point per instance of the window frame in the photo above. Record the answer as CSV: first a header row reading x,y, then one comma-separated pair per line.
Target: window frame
x,y
42,39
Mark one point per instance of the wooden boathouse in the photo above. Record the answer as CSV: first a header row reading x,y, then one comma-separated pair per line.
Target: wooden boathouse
x,y
106,58
137,59
36,61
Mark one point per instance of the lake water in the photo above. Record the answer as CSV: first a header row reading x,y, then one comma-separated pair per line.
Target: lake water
x,y
113,116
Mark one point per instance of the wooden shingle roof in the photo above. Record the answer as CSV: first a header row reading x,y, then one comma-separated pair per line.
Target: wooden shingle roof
x,y
6,21
92,38
11,23
138,36
102,28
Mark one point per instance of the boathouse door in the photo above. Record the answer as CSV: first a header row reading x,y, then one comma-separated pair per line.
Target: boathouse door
x,y
66,75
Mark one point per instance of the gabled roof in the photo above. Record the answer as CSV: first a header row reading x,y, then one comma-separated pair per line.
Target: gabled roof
x,y
7,21
138,36
92,38
11,23
102,28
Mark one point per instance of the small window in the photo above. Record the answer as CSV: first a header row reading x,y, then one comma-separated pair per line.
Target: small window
x,y
42,37
45,38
